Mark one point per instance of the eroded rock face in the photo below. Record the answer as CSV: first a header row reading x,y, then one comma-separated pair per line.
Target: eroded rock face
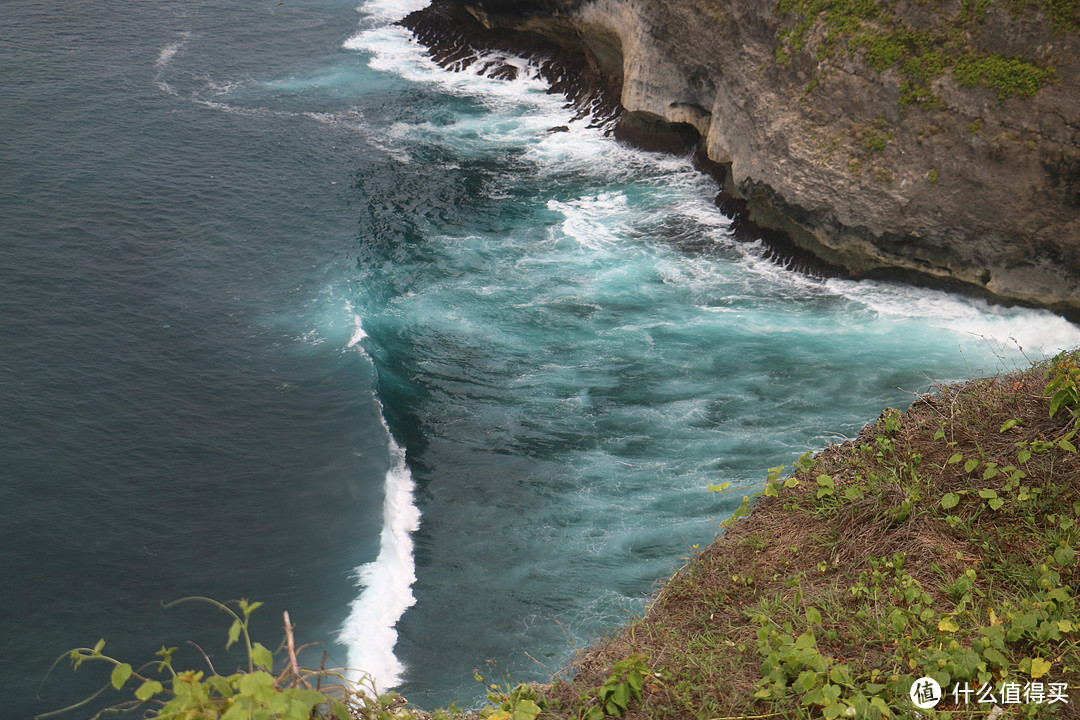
x,y
971,191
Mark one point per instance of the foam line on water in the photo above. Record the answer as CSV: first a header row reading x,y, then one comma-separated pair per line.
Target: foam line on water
x,y
164,57
1007,330
369,632
167,52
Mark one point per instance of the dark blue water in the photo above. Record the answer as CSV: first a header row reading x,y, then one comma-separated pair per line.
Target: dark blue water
x,y
251,255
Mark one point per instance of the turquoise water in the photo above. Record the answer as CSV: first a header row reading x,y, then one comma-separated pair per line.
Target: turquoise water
x,y
289,313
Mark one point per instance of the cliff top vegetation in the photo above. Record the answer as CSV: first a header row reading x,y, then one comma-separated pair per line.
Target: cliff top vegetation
x,y
923,40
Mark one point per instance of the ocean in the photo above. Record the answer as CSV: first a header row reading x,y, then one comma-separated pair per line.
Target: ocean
x,y
289,313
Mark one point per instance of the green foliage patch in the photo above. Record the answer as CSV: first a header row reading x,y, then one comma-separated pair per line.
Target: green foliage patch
x,y
918,55
164,692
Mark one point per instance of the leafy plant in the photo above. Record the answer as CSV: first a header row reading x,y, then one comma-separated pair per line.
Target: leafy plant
x,y
1063,388
614,695
523,702
256,693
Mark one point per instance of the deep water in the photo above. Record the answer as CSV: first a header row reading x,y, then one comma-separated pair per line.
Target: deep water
x,y
252,256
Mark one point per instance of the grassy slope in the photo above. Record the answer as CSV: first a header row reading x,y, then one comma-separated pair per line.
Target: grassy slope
x,y
935,544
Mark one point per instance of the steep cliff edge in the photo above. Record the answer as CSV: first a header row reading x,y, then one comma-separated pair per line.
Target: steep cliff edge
x,y
931,140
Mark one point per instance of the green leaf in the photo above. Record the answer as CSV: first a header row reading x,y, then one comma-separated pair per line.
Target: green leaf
x,y
120,675
147,690
840,675
309,697
806,681
943,677
98,646
939,434
249,608
948,624
1009,424
239,711
262,657
957,457
259,685
806,641
826,486
220,685
996,503
234,633
813,616
1039,667
967,662
814,697
1063,555
1066,445
996,657
719,488
526,710
1060,398
620,697
836,710
950,500
988,494
971,465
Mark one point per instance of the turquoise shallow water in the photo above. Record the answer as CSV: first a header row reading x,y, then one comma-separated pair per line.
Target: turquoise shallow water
x,y
251,258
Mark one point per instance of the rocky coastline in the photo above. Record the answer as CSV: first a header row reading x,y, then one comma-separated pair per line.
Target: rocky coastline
x,y
923,171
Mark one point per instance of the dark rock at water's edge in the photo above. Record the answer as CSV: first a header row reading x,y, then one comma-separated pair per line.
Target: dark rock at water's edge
x,y
974,191
457,39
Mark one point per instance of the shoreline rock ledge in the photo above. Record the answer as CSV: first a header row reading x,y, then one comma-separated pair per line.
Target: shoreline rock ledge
x,y
930,141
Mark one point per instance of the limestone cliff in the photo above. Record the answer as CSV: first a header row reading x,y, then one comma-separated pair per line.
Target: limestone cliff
x,y
932,140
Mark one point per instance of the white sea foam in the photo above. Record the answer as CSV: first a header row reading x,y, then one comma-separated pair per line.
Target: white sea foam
x,y
394,51
1006,330
167,52
358,333
369,631
164,57
595,221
